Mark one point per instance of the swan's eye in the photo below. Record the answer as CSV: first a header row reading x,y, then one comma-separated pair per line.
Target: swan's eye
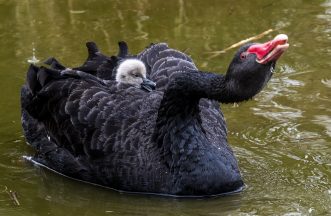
x,y
123,76
243,55
136,75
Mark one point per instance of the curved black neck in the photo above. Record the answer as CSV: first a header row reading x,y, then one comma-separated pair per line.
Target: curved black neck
x,y
181,138
193,85
179,120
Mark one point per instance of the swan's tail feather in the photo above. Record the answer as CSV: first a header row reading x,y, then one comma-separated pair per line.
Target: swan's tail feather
x,y
31,78
34,131
54,64
37,77
32,108
44,75
36,95
49,61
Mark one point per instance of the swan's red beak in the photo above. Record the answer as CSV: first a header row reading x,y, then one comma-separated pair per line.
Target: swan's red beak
x,y
271,50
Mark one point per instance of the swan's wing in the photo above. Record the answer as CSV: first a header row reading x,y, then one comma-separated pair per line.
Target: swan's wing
x,y
95,131
33,130
80,113
161,61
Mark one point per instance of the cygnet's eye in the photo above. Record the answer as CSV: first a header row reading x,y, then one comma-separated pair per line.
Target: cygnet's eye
x,y
136,75
123,76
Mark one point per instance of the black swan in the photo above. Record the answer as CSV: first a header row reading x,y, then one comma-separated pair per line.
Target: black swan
x,y
170,141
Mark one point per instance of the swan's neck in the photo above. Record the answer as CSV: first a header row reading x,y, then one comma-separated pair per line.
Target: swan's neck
x,y
179,122
182,140
227,90
195,85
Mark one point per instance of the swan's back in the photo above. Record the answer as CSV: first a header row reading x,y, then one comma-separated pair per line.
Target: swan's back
x,y
104,133
92,124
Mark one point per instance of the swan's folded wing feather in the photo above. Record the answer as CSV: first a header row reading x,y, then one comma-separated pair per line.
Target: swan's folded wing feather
x,y
175,54
150,54
89,119
161,61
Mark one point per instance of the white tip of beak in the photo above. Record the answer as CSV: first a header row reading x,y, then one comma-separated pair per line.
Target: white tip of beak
x,y
281,37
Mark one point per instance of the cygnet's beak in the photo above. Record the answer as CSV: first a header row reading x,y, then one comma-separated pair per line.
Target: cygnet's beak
x,y
148,85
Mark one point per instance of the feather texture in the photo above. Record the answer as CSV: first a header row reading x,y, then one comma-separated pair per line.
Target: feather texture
x,y
170,141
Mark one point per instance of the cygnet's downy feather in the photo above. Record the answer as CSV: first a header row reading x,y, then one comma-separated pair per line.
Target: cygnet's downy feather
x,y
133,72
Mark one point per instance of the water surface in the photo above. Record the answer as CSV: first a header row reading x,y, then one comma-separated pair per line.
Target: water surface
x,y
282,138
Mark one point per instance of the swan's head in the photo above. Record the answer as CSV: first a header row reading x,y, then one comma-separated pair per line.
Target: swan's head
x,y
133,72
254,63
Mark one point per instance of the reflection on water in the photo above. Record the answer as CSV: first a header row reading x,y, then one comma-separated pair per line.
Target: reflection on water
x,y
325,121
282,138
55,190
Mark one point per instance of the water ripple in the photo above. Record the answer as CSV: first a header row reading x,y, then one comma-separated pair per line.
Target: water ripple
x,y
324,121
327,82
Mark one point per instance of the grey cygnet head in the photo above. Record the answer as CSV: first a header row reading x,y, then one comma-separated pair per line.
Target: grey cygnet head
x,y
133,72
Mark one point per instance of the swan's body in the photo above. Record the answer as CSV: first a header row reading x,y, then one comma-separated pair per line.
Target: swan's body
x,y
170,141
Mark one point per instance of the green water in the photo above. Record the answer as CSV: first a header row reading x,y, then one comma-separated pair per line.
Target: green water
x,y
282,138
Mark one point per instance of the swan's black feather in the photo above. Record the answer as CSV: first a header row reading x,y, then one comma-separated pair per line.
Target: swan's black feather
x,y
101,65
123,51
44,75
175,54
54,64
106,69
94,59
105,136
31,79
150,54
161,61
172,140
